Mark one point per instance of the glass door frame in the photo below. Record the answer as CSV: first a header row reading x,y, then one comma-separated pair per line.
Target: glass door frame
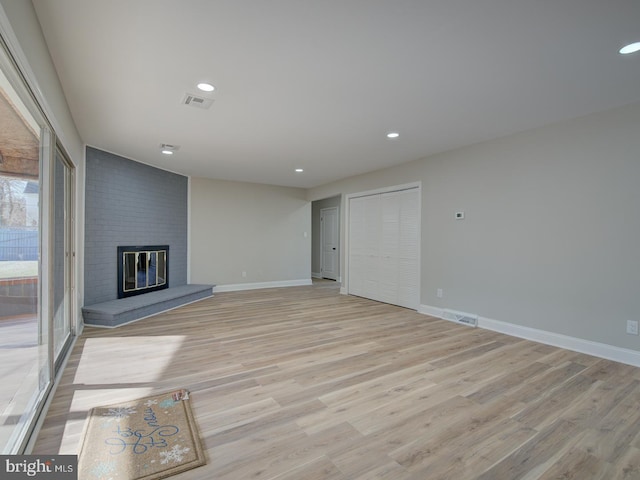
x,y
58,154
48,366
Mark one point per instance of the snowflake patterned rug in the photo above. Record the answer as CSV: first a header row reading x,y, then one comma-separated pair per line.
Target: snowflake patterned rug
x,y
150,438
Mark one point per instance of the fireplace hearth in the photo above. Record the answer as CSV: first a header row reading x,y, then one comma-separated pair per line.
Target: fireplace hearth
x,y
142,269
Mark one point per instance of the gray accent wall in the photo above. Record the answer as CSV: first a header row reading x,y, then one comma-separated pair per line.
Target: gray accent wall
x,y
129,203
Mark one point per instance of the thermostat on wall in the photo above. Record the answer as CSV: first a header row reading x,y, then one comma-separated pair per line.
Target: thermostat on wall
x,y
459,215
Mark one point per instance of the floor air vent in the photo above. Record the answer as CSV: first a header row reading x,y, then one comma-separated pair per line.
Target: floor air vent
x,y
196,101
460,317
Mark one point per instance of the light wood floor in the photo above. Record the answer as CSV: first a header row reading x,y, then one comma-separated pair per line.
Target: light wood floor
x,y
303,383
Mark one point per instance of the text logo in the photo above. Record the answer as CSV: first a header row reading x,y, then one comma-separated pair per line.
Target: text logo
x,y
58,467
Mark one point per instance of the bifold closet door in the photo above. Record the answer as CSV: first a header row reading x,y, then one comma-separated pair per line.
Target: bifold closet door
x,y
364,251
384,247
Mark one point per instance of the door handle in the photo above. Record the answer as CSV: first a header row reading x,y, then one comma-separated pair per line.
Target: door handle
x,y
333,248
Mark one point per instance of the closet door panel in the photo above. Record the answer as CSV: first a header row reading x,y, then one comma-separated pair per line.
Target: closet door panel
x,y
389,247
409,230
389,273
408,293
364,248
409,249
357,265
373,226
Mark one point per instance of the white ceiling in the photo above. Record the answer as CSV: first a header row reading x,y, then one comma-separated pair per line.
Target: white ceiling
x,y
318,84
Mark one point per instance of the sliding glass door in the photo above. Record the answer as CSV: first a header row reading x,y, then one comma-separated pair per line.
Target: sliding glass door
x,y
24,337
36,257
62,255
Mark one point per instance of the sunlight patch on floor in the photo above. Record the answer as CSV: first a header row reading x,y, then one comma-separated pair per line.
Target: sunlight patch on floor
x,y
107,361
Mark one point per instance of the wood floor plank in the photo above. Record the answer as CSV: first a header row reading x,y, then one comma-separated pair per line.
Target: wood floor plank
x,y
535,454
506,382
540,385
627,467
305,383
319,469
475,451
452,430
616,430
576,465
549,407
362,401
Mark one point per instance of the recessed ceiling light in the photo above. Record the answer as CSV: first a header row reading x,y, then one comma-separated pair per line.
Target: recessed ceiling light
x,y
393,135
168,149
206,87
299,170
631,48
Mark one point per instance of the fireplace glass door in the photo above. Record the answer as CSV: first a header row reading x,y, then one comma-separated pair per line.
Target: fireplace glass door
x,y
143,269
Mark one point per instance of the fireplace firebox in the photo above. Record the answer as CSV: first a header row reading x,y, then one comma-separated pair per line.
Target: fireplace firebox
x,y
142,269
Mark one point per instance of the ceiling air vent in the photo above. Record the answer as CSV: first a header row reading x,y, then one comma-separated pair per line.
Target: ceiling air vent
x,y
196,101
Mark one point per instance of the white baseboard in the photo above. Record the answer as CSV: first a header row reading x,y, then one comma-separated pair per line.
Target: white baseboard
x,y
602,350
431,311
343,291
256,286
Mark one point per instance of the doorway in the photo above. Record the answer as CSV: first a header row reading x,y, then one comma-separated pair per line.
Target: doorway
x,y
325,261
329,243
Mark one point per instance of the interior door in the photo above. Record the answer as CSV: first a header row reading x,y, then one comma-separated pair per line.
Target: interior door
x,y
330,242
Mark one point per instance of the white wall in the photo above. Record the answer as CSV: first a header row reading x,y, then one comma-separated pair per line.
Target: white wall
x,y
551,234
262,230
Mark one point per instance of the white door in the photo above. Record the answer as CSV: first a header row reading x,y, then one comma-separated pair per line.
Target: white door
x,y
383,257
357,255
329,252
389,247
409,249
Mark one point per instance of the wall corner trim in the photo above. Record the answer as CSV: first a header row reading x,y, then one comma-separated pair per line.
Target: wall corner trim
x,y
601,350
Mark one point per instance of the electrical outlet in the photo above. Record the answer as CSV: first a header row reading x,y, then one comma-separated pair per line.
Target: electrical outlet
x,y
632,327
439,293
244,274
